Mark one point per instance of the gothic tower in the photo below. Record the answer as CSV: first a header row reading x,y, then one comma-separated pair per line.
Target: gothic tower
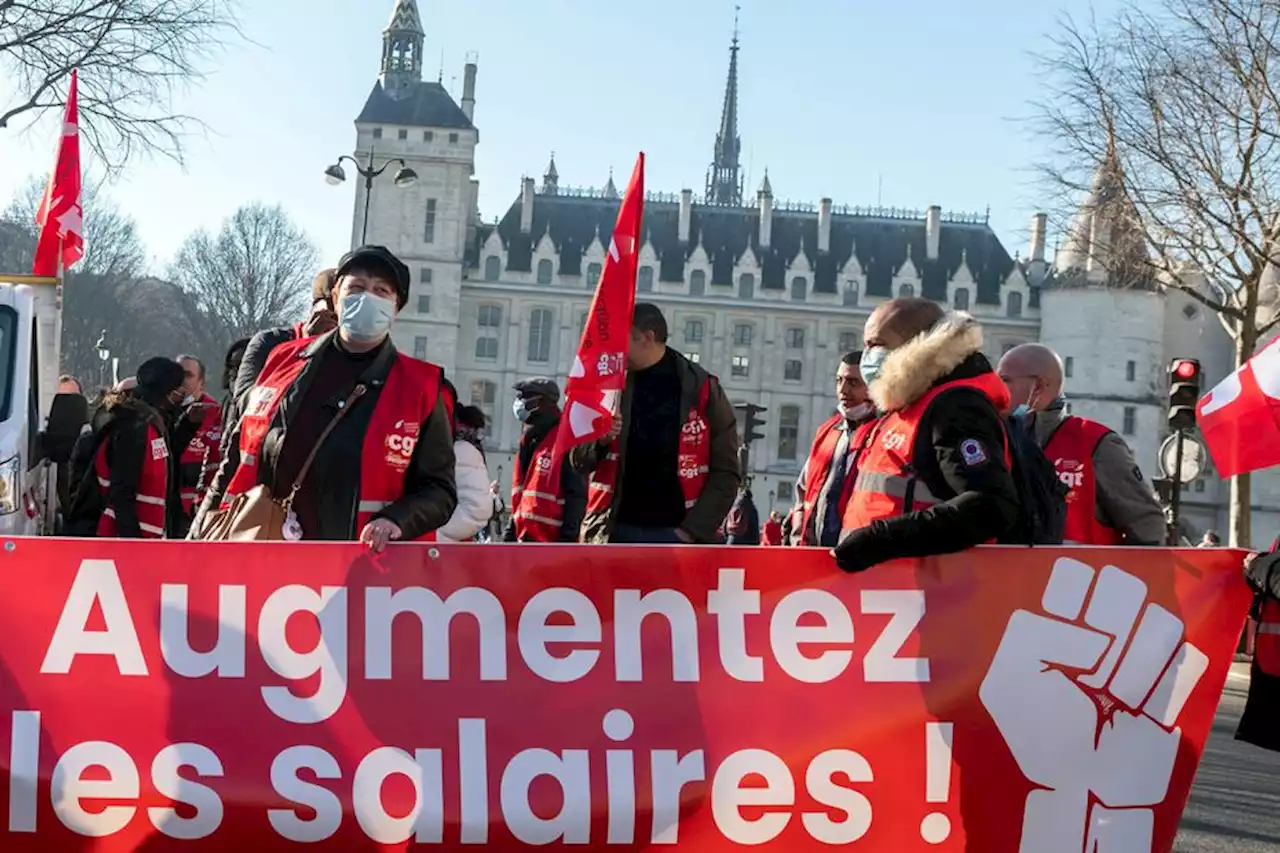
x,y
724,178
402,48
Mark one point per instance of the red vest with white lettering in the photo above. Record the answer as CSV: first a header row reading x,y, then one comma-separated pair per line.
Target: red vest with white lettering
x,y
694,460
887,485
405,402
200,457
1071,449
153,487
537,503
818,469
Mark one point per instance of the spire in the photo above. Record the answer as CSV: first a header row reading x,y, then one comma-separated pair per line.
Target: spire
x,y
402,48
551,178
610,190
1105,240
724,178
765,187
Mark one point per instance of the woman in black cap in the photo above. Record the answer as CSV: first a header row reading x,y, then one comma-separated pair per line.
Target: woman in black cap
x,y
352,439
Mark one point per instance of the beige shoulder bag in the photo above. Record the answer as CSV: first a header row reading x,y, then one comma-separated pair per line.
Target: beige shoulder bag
x,y
256,515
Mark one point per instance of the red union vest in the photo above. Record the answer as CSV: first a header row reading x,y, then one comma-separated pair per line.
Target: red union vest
x,y
153,486
887,485
406,401
821,458
201,454
694,460
1071,449
537,504
1266,644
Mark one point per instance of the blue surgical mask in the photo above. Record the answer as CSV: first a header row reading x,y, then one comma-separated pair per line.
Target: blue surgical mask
x,y
1021,410
366,318
520,408
871,362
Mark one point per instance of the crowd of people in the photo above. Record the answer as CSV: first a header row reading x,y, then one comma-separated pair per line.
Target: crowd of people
x,y
326,432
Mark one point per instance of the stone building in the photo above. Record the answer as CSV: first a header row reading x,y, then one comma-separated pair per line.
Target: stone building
x,y
765,293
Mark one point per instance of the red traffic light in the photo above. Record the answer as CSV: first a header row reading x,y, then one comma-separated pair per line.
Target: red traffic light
x,y
1185,369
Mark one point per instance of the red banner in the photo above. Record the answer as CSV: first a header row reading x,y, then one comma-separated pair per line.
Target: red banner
x,y
175,696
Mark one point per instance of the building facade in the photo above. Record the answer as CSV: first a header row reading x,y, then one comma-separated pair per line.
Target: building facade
x,y
766,294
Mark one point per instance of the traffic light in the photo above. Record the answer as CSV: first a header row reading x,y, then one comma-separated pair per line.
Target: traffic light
x,y
750,421
1184,392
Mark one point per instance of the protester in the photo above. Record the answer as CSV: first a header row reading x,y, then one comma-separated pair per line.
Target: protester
x,y
1109,502
935,476
471,476
828,475
230,367
1211,539
668,470
320,319
742,525
1260,722
131,490
771,533
323,397
68,384
545,506
198,459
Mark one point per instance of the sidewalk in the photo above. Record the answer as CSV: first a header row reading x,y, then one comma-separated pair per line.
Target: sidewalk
x,y
1238,677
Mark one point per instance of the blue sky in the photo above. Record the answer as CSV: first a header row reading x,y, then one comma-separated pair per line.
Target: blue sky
x,y
837,98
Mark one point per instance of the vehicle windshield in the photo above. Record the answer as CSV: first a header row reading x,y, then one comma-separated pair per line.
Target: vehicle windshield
x,y
8,326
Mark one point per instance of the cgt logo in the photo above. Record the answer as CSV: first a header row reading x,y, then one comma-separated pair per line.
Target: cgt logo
x,y
694,429
402,444
894,440
1070,472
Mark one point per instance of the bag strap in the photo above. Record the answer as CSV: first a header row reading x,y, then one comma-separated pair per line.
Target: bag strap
x,y
356,393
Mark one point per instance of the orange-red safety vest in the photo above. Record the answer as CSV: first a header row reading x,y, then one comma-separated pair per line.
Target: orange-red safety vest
x,y
818,469
537,502
1071,449
406,400
153,487
201,454
771,533
693,463
887,484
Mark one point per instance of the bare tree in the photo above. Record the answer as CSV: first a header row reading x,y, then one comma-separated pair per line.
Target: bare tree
x,y
1176,107
132,55
253,274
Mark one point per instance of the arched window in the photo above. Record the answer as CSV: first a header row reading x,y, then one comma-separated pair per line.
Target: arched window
x,y
961,299
788,432
492,268
644,280
746,286
544,271
799,288
1014,305
488,326
593,275
906,291
697,283
540,321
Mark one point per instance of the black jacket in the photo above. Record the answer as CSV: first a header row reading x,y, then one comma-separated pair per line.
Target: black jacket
x,y
978,500
429,492
251,364
122,423
573,486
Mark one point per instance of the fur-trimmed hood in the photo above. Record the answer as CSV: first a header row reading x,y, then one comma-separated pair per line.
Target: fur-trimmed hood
x,y
911,370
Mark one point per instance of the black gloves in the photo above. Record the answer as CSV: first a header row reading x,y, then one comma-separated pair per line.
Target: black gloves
x,y
861,549
1263,573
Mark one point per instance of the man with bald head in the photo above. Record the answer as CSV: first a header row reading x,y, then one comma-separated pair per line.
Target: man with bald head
x,y
1108,502
935,476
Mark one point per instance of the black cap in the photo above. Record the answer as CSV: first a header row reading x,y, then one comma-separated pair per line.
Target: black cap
x,y
538,386
378,258
160,376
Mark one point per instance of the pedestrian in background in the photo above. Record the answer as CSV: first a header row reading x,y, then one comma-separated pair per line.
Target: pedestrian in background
x,y
668,470
546,505
771,533
471,478
198,458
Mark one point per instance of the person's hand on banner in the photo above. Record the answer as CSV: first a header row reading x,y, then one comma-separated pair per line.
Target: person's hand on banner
x,y
615,430
1087,696
1262,572
378,533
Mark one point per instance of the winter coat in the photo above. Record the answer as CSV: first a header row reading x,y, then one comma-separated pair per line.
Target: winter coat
x,y
475,501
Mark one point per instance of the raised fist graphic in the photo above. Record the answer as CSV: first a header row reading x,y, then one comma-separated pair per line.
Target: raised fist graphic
x,y
1087,696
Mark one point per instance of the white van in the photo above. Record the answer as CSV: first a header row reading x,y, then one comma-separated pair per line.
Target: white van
x,y
29,331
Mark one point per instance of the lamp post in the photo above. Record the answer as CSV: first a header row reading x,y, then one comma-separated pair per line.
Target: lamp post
x,y
104,355
335,175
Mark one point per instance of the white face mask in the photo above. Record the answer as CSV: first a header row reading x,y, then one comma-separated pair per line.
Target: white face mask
x,y
858,412
188,400
366,318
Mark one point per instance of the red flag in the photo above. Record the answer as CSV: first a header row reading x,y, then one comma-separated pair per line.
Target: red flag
x,y
1240,417
599,371
60,216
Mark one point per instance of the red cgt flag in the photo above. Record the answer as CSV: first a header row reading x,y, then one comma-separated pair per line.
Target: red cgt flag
x,y
599,371
1240,417
60,217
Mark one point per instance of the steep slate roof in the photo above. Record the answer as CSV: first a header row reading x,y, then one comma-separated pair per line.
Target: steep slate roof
x,y
726,232
424,105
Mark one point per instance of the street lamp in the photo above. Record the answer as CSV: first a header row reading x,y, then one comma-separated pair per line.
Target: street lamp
x,y
335,175
104,355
